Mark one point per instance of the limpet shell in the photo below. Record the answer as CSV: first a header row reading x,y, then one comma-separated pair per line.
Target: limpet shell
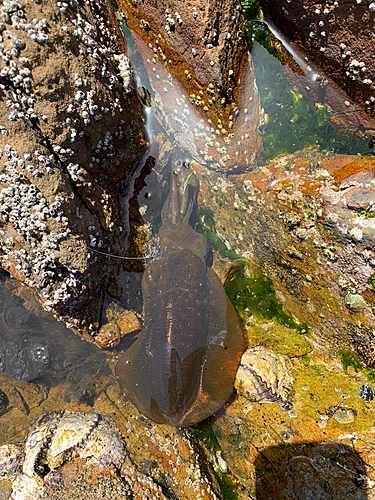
x,y
25,487
105,446
38,436
264,375
73,430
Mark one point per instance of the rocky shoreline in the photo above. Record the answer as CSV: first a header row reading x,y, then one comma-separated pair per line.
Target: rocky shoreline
x,y
71,134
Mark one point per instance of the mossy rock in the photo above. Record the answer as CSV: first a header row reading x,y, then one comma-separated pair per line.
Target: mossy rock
x,y
281,340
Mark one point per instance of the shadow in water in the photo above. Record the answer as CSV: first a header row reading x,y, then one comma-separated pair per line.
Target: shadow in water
x,y
312,471
35,347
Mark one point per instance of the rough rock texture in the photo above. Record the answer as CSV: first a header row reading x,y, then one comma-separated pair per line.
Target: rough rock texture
x,y
67,104
87,451
337,36
203,44
200,116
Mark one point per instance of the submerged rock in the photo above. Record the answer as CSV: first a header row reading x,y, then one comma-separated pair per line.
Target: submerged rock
x,y
34,348
355,302
68,101
195,62
337,37
74,454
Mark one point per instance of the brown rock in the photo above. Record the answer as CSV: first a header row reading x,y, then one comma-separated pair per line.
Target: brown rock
x,y
337,37
128,323
108,336
360,198
68,101
207,38
120,322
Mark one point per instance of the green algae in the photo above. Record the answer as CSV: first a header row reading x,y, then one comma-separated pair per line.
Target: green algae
x,y
293,121
114,4
349,358
371,281
206,226
208,437
352,359
255,294
280,340
365,214
227,486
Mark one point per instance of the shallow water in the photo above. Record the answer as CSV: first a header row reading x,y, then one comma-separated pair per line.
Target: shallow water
x,y
300,114
35,348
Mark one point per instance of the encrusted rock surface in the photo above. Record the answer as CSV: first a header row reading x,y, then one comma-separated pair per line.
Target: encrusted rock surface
x,y
202,43
67,453
337,36
68,102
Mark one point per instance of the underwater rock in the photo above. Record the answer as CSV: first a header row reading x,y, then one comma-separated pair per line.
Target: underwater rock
x,y
121,322
67,106
201,79
80,455
355,302
33,347
264,376
337,37
311,475
3,402
208,36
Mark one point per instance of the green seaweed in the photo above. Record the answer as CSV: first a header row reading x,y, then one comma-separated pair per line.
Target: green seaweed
x,y
371,281
365,214
114,4
256,295
349,358
206,434
206,226
250,9
293,121
228,488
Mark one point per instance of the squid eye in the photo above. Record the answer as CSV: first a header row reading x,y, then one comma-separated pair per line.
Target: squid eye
x,y
176,171
186,164
178,163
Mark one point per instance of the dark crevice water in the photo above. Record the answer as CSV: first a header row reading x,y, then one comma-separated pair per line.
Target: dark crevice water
x,y
35,348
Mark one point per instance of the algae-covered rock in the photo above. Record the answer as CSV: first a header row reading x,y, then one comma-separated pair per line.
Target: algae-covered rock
x,y
355,302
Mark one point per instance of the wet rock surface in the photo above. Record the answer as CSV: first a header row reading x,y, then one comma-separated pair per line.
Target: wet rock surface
x,y
68,100
303,425
203,44
337,37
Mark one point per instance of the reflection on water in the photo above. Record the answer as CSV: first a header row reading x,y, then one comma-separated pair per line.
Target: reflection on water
x,y
37,348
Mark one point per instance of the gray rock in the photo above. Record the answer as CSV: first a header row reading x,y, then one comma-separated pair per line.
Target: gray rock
x,y
355,302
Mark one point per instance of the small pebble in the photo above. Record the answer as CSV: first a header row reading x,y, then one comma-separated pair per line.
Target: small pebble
x,y
366,392
286,406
